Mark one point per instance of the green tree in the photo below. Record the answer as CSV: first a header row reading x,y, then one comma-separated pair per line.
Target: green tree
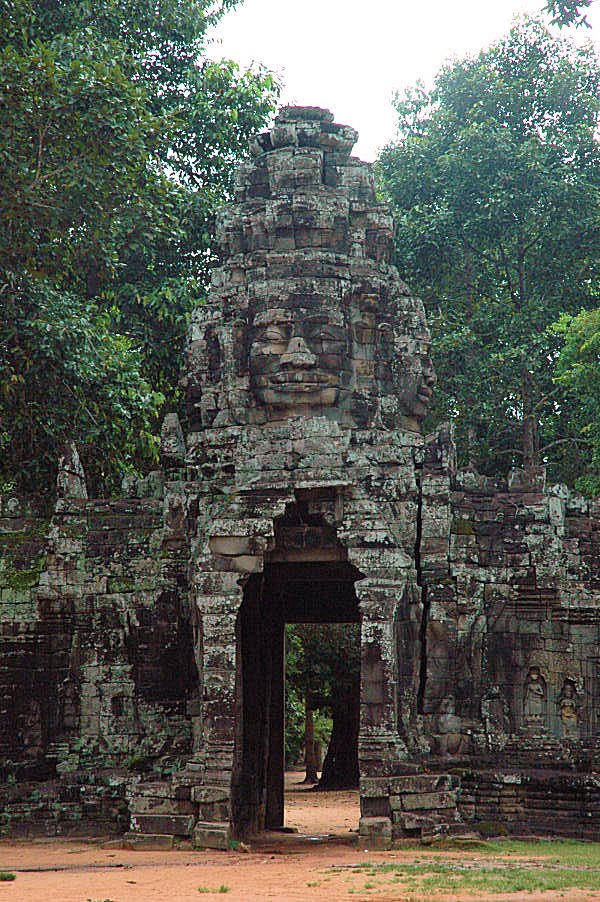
x,y
117,142
578,369
323,670
569,12
495,182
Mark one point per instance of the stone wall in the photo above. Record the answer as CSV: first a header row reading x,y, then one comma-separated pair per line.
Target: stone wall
x,y
510,570
141,638
97,676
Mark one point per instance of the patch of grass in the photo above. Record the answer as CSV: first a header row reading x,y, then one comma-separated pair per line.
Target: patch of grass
x,y
220,889
505,879
564,851
7,876
510,866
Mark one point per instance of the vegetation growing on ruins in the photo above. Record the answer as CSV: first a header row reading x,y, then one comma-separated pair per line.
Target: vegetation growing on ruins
x,y
495,182
118,141
578,369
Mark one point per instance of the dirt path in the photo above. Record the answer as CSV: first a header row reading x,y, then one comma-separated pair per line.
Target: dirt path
x,y
280,867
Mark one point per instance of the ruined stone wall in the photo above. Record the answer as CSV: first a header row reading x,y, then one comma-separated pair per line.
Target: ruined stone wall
x,y
97,677
141,638
511,571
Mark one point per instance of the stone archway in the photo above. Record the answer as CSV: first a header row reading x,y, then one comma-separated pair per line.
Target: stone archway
x,y
299,557
305,579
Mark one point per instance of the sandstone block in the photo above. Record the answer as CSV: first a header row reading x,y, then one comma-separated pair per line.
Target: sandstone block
x,y
210,835
375,834
428,800
174,824
148,842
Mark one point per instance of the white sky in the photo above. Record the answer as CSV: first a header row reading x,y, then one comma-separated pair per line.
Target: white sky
x,y
351,58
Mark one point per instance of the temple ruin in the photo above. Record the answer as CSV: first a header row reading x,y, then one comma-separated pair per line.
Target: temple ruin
x,y
142,637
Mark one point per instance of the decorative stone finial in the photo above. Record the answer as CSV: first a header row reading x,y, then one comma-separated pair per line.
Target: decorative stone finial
x,y
172,442
70,480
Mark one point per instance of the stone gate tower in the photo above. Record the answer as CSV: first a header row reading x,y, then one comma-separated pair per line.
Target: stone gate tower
x,y
308,377
142,637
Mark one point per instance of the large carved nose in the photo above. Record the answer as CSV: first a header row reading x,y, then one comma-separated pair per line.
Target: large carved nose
x,y
430,375
298,355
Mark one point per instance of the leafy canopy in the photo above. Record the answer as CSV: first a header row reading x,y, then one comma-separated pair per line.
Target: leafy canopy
x,y
578,369
569,12
494,180
118,139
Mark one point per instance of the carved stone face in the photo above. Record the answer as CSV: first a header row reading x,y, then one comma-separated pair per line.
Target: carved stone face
x,y
406,372
298,358
417,382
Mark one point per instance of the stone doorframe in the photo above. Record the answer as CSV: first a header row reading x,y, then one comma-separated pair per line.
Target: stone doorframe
x,y
236,548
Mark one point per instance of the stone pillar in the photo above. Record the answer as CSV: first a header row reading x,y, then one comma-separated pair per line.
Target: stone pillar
x,y
274,816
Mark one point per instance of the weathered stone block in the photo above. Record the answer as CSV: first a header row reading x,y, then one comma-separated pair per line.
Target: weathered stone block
x,y
375,834
175,824
427,800
148,842
208,835
210,794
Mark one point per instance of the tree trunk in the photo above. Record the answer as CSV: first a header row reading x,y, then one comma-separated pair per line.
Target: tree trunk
x,y
530,425
310,757
340,768
471,446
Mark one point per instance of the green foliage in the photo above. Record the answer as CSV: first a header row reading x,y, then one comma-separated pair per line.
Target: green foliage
x,y
7,876
321,660
294,725
64,372
495,183
578,369
569,12
117,142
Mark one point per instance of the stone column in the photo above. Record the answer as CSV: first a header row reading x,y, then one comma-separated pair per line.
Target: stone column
x,y
380,746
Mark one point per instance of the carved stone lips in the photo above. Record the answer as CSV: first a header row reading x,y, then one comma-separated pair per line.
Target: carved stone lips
x,y
299,378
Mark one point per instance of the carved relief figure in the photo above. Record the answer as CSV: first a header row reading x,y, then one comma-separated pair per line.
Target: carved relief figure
x,y
31,731
568,707
534,700
452,740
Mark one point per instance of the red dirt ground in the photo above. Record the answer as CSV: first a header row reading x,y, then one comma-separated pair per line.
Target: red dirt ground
x,y
279,867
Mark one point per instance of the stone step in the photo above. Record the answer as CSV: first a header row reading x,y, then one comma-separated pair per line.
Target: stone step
x,y
154,805
166,824
161,789
211,835
148,842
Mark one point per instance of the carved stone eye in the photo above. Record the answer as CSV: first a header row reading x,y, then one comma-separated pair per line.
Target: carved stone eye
x,y
272,334
331,335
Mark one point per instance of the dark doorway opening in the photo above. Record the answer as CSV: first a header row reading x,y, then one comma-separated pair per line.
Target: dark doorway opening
x,y
309,592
